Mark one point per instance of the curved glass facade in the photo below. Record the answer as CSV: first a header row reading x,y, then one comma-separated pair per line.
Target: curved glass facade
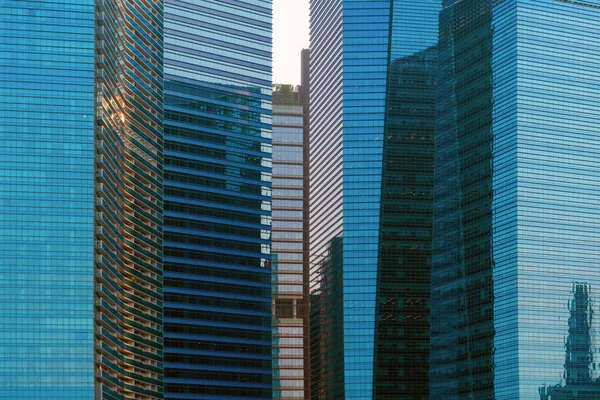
x,y
129,199
80,215
516,244
217,220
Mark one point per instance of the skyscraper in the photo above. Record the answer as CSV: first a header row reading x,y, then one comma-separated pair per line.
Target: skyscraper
x,y
372,105
81,199
291,366
516,214
217,199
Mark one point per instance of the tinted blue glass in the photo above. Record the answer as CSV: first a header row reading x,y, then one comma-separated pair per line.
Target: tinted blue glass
x,y
217,216
462,288
546,180
363,128
364,139
47,199
404,264
516,246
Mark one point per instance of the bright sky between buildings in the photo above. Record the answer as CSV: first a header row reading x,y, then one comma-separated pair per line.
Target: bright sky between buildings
x,y
290,36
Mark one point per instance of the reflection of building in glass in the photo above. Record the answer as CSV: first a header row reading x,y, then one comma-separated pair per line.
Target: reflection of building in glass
x,y
373,85
579,356
404,271
462,299
580,367
517,216
290,245
326,326
217,221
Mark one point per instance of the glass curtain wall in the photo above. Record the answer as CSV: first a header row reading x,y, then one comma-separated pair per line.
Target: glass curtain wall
x,y
47,199
217,199
516,242
373,83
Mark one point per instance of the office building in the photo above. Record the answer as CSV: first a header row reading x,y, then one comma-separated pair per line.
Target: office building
x,y
372,123
288,251
291,366
516,243
81,199
217,218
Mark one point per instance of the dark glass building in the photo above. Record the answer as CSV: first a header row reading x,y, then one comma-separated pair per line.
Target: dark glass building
x,y
372,123
516,240
81,199
217,218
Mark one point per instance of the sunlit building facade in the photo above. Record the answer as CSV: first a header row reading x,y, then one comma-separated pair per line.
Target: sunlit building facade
x,y
81,199
291,367
373,78
217,218
516,241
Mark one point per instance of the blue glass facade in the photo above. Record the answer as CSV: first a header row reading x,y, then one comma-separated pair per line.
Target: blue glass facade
x,y
47,200
80,199
217,219
373,82
516,244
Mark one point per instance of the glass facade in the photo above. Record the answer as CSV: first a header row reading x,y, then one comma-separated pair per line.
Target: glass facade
x,y
129,193
406,213
515,231
289,301
47,200
373,85
462,288
217,219
81,168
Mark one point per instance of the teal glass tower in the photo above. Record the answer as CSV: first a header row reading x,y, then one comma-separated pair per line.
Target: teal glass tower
x,y
217,219
516,242
81,199
373,79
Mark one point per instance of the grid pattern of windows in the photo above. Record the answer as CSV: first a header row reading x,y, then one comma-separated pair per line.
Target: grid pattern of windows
x,y
47,200
81,171
325,209
217,220
129,195
366,40
404,271
373,78
461,358
516,243
288,255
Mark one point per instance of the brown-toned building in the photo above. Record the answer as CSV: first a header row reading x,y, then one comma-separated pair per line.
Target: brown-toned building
x,y
291,367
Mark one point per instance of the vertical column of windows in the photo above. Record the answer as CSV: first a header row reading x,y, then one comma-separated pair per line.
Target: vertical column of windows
x,y
46,199
217,199
288,254
129,199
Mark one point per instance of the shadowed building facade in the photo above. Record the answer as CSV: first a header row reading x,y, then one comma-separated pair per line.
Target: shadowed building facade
x,y
516,208
372,122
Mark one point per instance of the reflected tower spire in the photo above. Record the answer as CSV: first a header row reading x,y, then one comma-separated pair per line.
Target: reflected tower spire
x,y
579,357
